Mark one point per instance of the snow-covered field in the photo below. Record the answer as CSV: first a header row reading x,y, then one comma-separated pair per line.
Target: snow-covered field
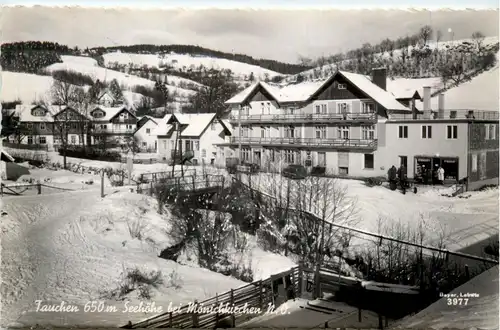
x,y
84,60
186,61
76,247
462,221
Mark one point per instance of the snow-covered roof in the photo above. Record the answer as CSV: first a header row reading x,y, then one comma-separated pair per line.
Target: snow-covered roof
x,y
304,91
6,157
379,95
23,111
403,88
478,313
197,123
109,112
162,128
241,96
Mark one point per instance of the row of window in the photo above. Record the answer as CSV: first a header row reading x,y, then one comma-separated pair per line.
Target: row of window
x,y
426,132
193,145
343,132
342,107
43,140
490,131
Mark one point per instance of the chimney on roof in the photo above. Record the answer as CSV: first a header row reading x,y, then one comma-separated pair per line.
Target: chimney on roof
x,y
441,106
379,77
427,102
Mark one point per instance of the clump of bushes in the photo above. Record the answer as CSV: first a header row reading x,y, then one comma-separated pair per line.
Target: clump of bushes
x,y
90,153
374,181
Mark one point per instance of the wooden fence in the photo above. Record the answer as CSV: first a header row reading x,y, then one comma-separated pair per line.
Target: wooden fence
x,y
36,147
19,189
235,306
156,176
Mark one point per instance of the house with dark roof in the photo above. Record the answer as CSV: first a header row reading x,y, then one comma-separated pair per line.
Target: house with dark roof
x,y
351,125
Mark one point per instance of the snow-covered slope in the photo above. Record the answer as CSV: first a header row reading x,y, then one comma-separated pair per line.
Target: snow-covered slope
x,y
186,61
25,87
480,93
84,60
479,312
77,247
397,54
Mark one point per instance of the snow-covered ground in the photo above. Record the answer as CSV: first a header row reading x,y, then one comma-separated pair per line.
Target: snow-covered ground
x,y
186,61
462,221
77,247
479,312
84,60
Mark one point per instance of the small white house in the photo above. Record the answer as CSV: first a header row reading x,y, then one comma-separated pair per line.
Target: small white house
x,y
146,133
199,133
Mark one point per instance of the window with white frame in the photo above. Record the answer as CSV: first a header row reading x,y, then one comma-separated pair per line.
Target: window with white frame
x,y
30,140
474,162
148,130
172,144
245,154
343,107
321,109
29,125
341,86
246,110
320,132
290,132
197,145
73,139
452,132
245,131
43,140
262,132
291,111
343,132
368,132
490,131
368,107
144,144
403,132
290,156
268,107
486,131
165,145
426,132
493,131
42,126
262,107
203,153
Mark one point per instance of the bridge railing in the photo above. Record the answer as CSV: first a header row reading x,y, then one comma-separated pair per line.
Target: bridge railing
x,y
187,183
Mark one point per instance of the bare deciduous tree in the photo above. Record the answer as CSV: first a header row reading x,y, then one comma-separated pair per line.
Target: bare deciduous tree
x,y
425,33
478,38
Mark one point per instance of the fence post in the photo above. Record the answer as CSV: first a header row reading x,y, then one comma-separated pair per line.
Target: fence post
x,y
102,184
359,314
138,188
39,187
194,184
170,319
317,291
261,300
233,319
216,314
195,315
300,278
151,189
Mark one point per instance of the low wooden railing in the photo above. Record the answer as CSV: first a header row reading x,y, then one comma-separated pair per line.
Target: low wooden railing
x,y
311,142
313,117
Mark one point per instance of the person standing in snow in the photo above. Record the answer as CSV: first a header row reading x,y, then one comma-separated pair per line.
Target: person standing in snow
x,y
440,173
392,174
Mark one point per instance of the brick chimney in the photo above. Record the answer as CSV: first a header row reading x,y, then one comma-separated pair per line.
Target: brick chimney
x,y
379,77
427,102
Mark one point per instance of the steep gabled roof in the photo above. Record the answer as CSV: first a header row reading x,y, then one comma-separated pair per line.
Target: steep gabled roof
x,y
110,112
194,124
306,91
379,95
24,112
6,157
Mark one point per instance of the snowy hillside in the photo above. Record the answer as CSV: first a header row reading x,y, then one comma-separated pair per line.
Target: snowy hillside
x,y
84,60
28,88
396,56
481,93
186,61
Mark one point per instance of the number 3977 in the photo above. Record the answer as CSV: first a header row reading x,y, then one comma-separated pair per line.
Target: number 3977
x,y
457,301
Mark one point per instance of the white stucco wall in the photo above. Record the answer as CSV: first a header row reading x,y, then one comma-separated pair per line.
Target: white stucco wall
x,y
147,140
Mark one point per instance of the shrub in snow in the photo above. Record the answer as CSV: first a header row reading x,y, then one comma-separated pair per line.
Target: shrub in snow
x,y
137,228
133,279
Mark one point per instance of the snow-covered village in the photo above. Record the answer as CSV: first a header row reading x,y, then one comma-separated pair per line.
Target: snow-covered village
x,y
222,169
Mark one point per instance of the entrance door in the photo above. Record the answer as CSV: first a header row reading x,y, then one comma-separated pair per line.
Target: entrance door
x,y
257,157
321,159
450,167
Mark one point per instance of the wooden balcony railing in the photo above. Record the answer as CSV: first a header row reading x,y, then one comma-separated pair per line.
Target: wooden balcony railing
x,y
281,118
309,142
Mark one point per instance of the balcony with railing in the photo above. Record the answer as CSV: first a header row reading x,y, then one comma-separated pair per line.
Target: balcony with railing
x,y
445,115
352,117
110,130
306,142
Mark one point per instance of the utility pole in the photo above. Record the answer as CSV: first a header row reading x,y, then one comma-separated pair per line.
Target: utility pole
x,y
240,160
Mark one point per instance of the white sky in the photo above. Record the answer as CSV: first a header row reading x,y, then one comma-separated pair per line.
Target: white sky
x,y
275,34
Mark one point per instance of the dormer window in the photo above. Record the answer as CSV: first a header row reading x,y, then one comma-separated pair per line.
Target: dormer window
x,y
341,86
39,112
98,114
